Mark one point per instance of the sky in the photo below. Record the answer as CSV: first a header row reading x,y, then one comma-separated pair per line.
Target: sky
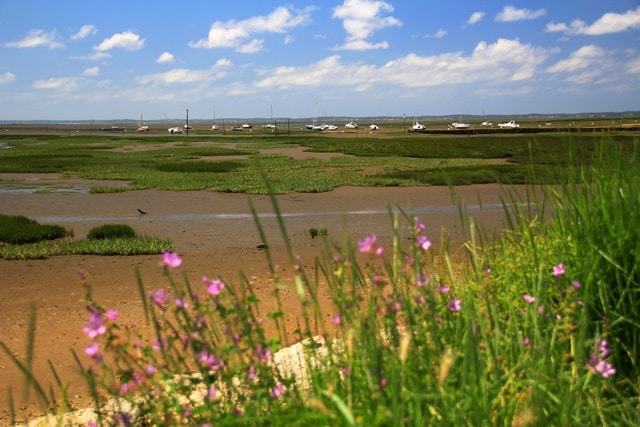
x,y
112,59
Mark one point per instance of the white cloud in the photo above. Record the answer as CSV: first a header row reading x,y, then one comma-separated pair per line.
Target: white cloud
x,y
440,34
475,18
511,14
582,58
255,45
500,62
7,77
165,58
360,19
91,72
592,65
36,38
632,67
127,41
84,32
606,24
288,40
185,75
56,83
234,34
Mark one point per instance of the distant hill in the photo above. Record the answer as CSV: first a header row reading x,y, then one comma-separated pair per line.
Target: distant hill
x,y
453,116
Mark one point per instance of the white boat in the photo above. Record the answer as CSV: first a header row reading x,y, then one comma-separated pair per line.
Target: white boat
x,y
460,125
141,126
487,124
511,124
175,130
214,126
418,126
373,126
351,125
247,126
327,126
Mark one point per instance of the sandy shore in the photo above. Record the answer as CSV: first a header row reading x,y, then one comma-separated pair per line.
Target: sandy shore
x,y
214,233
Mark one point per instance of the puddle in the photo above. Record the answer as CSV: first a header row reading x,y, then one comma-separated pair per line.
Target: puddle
x,y
496,207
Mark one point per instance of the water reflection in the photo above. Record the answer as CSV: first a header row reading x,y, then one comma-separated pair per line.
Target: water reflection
x,y
495,207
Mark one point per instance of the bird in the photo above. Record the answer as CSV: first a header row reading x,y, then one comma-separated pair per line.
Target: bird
x,y
141,211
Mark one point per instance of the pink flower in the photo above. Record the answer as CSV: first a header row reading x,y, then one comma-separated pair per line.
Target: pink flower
x,y
528,298
418,225
159,297
171,259
93,351
422,280
112,314
181,303
367,244
456,305
263,354
95,325
277,391
251,374
599,366
526,341
211,393
214,286
423,242
336,319
558,270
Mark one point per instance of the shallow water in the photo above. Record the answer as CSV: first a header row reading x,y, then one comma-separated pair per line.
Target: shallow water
x,y
495,207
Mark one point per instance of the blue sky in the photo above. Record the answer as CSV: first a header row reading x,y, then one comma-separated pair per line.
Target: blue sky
x,y
109,60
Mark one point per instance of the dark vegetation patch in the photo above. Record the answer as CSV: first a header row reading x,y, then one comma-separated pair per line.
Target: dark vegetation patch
x,y
111,231
18,229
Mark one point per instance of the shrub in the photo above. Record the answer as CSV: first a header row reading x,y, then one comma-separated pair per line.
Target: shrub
x,y
17,230
111,231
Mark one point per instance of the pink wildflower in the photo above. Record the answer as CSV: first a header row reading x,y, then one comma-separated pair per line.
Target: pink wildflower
x,y
600,366
336,319
558,270
423,242
528,298
112,314
277,391
367,244
422,280
456,305
93,351
95,325
171,259
214,286
159,297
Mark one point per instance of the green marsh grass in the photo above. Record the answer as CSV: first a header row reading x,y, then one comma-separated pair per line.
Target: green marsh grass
x,y
514,336
117,246
399,160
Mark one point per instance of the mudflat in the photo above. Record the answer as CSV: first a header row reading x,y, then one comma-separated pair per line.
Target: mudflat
x,y
216,236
